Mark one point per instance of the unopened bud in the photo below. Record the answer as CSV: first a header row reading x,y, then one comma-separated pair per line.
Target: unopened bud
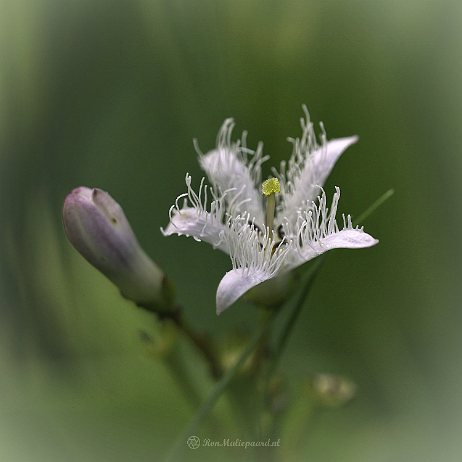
x,y
332,390
96,226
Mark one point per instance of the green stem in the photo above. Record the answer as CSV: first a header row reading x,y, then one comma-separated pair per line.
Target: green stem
x,y
286,331
175,364
295,313
261,350
376,204
212,397
202,342
279,348
244,392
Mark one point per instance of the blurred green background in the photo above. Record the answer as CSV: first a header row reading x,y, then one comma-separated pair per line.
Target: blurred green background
x,y
110,94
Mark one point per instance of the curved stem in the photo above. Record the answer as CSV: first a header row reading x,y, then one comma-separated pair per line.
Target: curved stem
x,y
295,313
213,396
372,207
279,348
202,342
282,341
174,363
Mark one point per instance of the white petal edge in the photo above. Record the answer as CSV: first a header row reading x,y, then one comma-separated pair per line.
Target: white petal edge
x,y
323,162
314,173
228,173
234,168
202,226
345,239
235,284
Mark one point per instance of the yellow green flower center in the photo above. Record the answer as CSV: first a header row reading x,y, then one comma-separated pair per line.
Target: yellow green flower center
x,y
269,188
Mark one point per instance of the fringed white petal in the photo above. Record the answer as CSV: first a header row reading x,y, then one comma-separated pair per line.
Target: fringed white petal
x,y
196,221
319,232
348,239
306,184
323,160
308,168
253,256
201,226
235,284
251,248
254,259
231,171
345,239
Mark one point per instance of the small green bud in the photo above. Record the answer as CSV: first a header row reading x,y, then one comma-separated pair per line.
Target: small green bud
x,y
332,390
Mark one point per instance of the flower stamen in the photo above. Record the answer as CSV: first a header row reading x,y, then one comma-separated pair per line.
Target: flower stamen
x,y
269,188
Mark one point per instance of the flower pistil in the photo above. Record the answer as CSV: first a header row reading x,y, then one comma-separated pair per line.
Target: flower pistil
x,y
270,188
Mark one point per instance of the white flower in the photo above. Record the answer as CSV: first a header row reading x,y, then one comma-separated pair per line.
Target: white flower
x,y
297,225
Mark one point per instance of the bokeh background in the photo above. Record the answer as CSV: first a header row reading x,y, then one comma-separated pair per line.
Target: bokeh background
x,y
110,94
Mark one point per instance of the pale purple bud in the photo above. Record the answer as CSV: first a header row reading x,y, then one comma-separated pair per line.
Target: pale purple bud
x,y
96,226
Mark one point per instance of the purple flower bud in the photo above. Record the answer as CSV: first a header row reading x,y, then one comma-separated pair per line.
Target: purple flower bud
x,y
96,226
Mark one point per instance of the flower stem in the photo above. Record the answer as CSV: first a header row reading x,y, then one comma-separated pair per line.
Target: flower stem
x,y
297,309
279,348
174,363
376,204
282,341
213,396
201,341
